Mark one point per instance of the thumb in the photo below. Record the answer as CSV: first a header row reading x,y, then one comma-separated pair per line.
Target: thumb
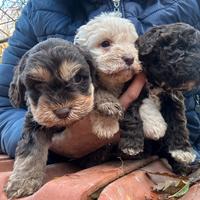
x,y
133,91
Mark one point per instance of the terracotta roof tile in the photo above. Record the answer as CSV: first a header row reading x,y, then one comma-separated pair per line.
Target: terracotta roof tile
x,y
135,185
6,165
110,181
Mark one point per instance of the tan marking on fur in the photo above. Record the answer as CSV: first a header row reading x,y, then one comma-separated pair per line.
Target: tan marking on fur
x,y
68,69
103,126
80,107
40,73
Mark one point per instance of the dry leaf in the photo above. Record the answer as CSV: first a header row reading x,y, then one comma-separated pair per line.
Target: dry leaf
x,y
174,186
182,191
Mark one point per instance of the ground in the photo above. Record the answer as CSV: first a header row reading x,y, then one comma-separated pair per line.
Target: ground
x,y
109,181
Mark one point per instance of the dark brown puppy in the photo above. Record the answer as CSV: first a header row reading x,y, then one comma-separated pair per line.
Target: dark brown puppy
x,y
54,80
170,56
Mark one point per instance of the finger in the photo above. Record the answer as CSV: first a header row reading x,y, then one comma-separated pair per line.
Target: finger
x,y
133,91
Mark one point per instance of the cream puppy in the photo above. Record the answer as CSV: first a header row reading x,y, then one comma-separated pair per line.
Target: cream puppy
x,y
111,41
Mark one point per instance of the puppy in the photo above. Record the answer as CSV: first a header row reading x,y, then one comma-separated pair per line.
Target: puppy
x,y
170,58
54,80
111,41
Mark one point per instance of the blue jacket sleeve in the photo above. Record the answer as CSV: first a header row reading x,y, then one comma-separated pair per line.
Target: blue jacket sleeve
x,y
192,101
11,119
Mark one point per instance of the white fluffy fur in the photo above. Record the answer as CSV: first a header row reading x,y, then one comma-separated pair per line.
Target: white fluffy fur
x,y
184,157
103,126
112,70
131,151
105,25
119,31
154,125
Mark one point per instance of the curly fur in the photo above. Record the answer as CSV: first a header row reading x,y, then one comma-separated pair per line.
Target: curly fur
x,y
54,80
153,127
116,64
170,55
170,58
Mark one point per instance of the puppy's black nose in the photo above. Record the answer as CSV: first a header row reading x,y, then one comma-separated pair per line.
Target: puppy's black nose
x,y
62,113
128,60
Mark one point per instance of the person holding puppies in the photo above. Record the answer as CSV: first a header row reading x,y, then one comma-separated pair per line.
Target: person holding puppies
x,y
45,19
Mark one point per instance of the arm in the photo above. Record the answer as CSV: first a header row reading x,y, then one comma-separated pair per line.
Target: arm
x,y
133,91
11,119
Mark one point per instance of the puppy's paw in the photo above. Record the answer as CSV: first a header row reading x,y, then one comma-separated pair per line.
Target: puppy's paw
x,y
131,151
111,109
154,130
130,148
103,126
154,125
20,187
184,157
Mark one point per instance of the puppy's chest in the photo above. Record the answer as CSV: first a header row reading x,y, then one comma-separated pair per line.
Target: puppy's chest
x,y
155,94
114,89
166,101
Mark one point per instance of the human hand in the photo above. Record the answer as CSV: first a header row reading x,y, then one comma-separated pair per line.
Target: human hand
x,y
132,93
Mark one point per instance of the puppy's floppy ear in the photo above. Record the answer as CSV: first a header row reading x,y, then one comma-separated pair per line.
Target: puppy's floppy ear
x,y
91,62
146,42
17,88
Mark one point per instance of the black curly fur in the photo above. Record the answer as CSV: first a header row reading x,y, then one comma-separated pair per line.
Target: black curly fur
x,y
170,56
132,136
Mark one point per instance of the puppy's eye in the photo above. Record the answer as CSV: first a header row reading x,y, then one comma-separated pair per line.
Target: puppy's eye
x,y
78,78
105,43
39,82
34,82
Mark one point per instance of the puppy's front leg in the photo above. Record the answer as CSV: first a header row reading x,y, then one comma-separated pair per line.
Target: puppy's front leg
x,y
106,114
154,125
177,132
132,136
30,162
108,104
103,126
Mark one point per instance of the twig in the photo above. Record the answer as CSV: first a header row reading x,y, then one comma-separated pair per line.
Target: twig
x,y
4,40
4,32
7,22
7,15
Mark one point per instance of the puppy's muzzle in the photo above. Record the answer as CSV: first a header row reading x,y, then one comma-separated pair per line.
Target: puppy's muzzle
x,y
128,60
131,64
62,113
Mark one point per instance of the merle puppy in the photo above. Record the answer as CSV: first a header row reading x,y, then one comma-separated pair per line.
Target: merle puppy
x,y
54,80
170,56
